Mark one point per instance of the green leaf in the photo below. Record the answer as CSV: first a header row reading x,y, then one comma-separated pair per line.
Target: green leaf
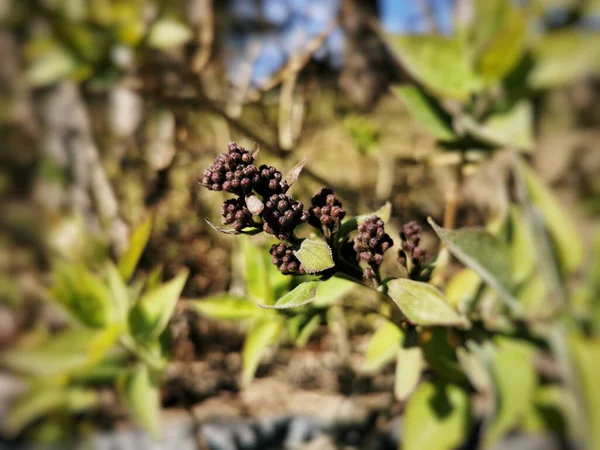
x,y
62,353
462,289
50,68
225,307
301,295
263,333
168,33
409,365
425,56
512,128
258,285
150,316
506,47
315,256
485,254
474,363
438,345
515,381
83,295
308,330
142,397
522,246
560,226
120,295
423,304
437,417
332,290
426,112
383,347
129,260
562,57
37,402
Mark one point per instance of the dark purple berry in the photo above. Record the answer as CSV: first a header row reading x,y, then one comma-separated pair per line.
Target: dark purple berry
x,y
326,211
281,215
370,244
235,213
285,260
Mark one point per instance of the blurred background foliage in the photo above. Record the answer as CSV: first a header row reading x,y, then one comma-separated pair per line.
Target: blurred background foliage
x,y
110,110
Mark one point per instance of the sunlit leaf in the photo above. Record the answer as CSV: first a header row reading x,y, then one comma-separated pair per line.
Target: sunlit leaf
x,y
315,256
332,290
409,365
425,56
168,33
485,254
308,330
263,333
142,397
150,316
505,48
258,286
50,68
423,304
437,417
129,260
62,353
383,347
225,307
32,405
426,112
462,288
560,226
515,381
301,295
118,289
474,360
564,56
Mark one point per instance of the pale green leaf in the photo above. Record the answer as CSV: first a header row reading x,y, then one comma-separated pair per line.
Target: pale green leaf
x,y
32,405
560,226
50,68
62,353
129,260
437,417
564,56
505,49
301,295
515,380
485,254
315,256
462,289
150,316
168,33
225,307
474,360
308,330
383,347
512,128
522,246
258,286
263,333
441,64
426,112
332,290
409,365
423,304
142,397
120,295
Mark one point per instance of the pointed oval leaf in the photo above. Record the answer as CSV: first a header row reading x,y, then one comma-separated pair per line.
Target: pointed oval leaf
x,y
332,290
462,288
423,304
224,307
168,33
256,275
315,256
150,316
409,366
437,416
426,112
118,289
142,397
294,173
31,406
485,254
425,56
221,229
301,295
139,239
383,347
263,333
560,226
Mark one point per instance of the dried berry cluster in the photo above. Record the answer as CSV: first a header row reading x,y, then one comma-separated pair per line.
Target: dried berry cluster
x,y
370,244
326,212
281,215
411,255
285,260
274,212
